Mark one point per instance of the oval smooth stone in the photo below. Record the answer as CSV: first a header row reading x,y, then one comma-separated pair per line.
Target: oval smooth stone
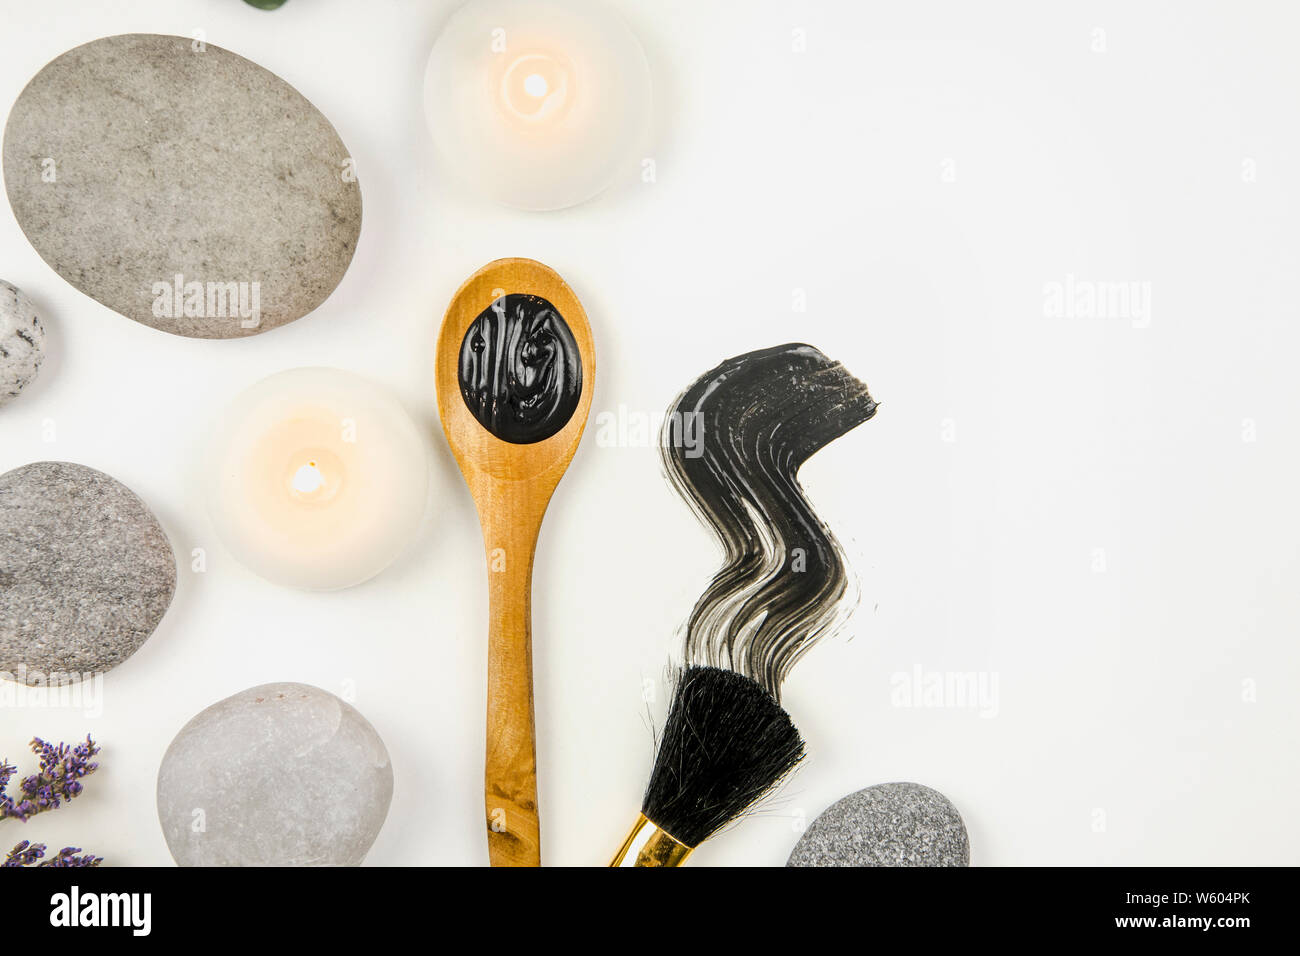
x,y
890,824
86,573
181,185
277,775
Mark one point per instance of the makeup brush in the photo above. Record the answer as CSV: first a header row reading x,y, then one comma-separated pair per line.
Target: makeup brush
x,y
515,370
733,444
726,742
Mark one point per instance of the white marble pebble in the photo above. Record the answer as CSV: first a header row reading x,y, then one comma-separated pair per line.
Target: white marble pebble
x,y
22,342
276,775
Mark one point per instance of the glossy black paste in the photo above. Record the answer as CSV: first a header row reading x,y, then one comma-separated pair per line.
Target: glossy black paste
x,y
520,371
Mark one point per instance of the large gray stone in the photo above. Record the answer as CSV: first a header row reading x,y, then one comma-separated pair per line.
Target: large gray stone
x,y
86,572
134,159
277,775
22,342
891,824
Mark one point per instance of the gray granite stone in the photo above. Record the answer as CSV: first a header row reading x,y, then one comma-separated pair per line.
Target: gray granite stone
x,y
891,824
135,159
22,342
86,573
277,775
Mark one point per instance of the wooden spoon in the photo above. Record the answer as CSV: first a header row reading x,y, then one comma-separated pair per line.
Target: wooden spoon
x,y
511,484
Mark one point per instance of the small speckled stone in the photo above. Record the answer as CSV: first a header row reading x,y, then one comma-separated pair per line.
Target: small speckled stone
x,y
86,572
22,341
277,775
891,824
181,185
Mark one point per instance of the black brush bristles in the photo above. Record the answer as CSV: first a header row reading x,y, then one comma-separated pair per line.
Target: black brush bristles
x,y
725,744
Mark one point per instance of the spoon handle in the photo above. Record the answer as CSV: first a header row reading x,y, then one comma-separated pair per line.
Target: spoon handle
x,y
510,525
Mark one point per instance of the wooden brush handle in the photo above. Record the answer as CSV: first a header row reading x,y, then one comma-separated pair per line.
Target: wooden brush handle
x,y
510,528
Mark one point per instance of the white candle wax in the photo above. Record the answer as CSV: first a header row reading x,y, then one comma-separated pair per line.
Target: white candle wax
x,y
539,103
317,478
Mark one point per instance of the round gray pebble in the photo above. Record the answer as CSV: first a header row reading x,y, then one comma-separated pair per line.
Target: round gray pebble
x,y
891,824
22,342
86,573
277,775
181,185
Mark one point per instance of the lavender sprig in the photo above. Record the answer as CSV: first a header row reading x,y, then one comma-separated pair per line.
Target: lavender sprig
x,y
32,854
59,779
25,854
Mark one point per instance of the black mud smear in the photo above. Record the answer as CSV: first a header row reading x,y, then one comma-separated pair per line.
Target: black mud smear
x,y
733,445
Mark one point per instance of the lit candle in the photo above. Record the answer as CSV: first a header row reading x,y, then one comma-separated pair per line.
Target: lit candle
x,y
317,478
540,103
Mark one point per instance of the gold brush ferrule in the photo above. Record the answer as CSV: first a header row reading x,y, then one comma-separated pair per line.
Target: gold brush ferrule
x,y
647,845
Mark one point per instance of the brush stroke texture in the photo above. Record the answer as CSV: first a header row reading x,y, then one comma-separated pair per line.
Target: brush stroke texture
x,y
733,445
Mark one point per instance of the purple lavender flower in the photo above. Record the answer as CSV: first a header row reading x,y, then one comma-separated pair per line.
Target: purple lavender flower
x,y
68,857
32,854
59,779
24,854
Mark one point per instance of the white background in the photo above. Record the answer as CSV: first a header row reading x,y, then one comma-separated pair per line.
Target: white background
x,y
922,172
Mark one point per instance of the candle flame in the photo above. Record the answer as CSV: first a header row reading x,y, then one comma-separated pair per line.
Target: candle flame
x,y
307,479
535,85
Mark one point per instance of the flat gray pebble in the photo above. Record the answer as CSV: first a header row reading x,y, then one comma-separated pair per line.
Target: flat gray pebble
x,y
276,775
135,159
890,824
86,572
22,342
